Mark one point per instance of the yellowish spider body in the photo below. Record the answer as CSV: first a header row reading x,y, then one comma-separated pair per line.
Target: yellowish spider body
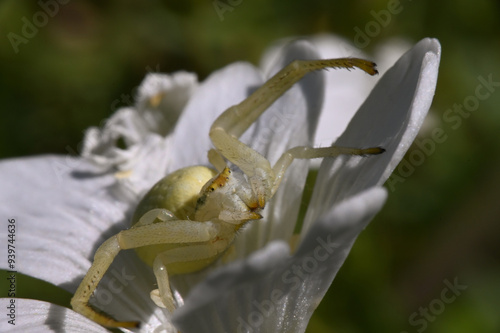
x,y
177,193
187,194
189,218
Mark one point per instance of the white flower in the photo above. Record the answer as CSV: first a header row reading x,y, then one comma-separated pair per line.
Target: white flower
x,y
65,207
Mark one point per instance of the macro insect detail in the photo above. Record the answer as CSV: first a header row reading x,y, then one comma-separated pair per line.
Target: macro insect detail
x,y
190,217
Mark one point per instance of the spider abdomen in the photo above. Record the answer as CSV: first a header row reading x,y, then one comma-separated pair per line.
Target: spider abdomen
x,y
177,193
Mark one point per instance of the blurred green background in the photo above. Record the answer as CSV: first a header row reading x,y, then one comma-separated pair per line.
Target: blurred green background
x,y
440,224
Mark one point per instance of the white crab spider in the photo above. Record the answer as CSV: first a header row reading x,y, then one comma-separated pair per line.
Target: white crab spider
x,y
190,217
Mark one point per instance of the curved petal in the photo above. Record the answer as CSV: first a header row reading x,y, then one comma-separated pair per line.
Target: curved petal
x,y
222,89
345,90
37,316
390,118
59,214
101,145
143,160
150,164
292,119
271,291
162,97
141,163
63,210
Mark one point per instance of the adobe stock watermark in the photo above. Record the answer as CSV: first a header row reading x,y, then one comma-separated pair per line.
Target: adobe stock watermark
x,y
453,116
221,7
114,286
276,125
420,319
29,28
292,277
381,19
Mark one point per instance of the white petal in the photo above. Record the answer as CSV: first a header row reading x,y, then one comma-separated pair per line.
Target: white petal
x,y
162,97
101,145
142,162
37,316
390,118
222,89
292,119
63,210
273,292
150,163
345,90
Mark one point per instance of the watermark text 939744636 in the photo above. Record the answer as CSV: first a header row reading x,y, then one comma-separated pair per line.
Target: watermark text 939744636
x,y
11,273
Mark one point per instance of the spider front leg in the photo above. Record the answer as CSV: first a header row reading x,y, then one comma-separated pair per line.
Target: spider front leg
x,y
169,232
238,118
231,124
309,153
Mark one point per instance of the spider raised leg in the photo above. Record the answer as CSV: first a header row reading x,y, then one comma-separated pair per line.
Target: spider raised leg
x,y
190,217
